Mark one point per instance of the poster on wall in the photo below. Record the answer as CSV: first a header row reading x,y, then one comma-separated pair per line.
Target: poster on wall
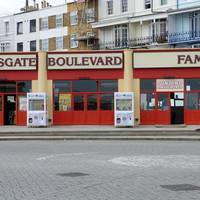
x,y
22,103
124,109
64,102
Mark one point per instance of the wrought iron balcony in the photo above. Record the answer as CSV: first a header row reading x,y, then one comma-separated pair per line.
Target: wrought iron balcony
x,y
135,42
190,36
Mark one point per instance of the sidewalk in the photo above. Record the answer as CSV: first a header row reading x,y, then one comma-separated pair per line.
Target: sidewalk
x,y
176,132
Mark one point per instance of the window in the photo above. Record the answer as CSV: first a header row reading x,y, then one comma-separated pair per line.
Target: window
x,y
19,28
4,47
6,27
192,84
62,100
121,36
44,45
108,86
20,46
22,102
59,43
148,85
107,101
73,41
44,23
90,15
163,102
124,5
59,20
193,101
147,101
92,102
62,86
147,4
73,18
85,86
163,2
33,45
24,86
78,102
7,87
110,7
32,25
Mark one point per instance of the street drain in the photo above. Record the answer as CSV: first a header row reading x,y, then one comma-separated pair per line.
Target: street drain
x,y
72,174
181,187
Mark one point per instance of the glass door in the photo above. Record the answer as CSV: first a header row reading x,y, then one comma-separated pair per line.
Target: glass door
x,y
92,111
79,109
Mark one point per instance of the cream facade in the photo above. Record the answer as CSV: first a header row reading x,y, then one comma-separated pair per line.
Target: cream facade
x,y
133,24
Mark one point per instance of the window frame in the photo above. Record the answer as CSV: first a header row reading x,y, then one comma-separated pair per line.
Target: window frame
x,y
124,6
19,28
110,9
44,45
73,18
59,20
147,4
32,28
44,23
73,41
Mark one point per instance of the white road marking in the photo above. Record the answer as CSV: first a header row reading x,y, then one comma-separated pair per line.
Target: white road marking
x,y
60,155
169,161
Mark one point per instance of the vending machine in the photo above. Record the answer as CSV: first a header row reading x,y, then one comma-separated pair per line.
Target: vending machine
x,y
124,109
37,114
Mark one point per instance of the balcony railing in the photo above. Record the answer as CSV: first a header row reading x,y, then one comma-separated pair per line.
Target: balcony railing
x,y
189,36
135,42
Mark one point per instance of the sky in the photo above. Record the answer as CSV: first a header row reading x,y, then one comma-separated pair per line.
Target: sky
x,y
13,6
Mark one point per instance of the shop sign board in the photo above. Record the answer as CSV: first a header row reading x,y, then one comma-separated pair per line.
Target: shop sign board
x,y
18,61
169,85
124,109
37,114
166,59
85,60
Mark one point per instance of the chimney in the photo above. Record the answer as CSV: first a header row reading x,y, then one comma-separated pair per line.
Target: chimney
x,y
34,4
26,7
45,4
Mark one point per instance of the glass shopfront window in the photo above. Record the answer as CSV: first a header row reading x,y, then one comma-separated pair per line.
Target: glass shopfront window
x,y
62,96
62,86
92,102
148,101
192,84
8,87
163,102
192,87
88,95
193,101
107,102
148,85
24,86
85,86
108,86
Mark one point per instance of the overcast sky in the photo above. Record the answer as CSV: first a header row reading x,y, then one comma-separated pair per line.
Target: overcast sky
x,y
13,6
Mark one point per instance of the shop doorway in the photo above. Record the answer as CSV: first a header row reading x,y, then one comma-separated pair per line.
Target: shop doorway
x,y
10,109
86,109
177,107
